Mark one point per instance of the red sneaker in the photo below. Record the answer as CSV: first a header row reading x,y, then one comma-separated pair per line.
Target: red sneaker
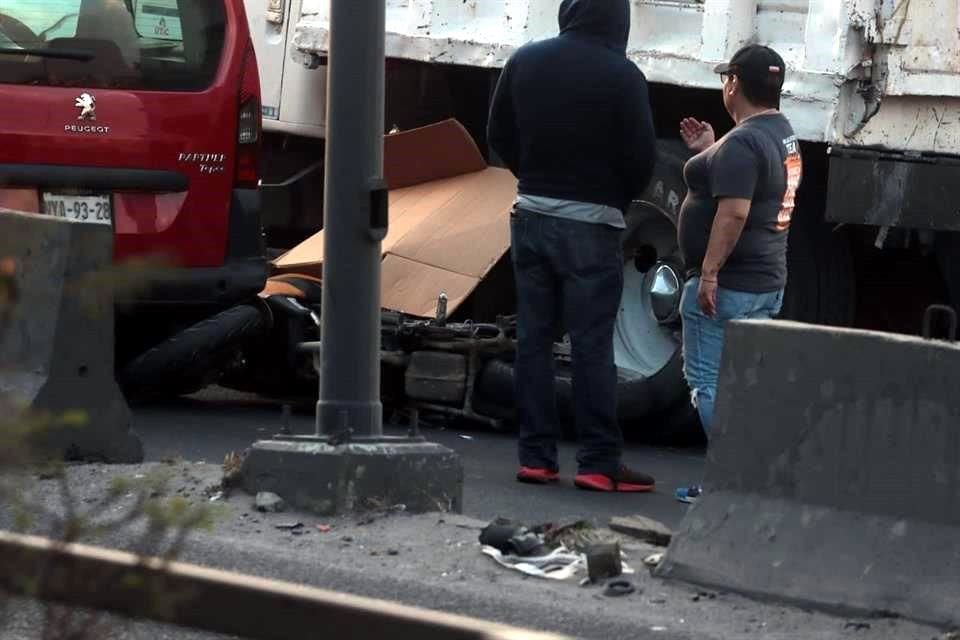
x,y
532,475
626,481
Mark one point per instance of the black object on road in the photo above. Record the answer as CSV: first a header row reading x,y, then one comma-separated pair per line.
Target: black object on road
x,y
512,538
619,588
604,561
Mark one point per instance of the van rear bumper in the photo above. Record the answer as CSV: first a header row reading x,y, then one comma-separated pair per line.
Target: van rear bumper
x,y
206,287
242,275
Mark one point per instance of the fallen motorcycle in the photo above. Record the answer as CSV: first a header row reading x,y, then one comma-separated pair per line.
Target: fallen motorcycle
x,y
429,366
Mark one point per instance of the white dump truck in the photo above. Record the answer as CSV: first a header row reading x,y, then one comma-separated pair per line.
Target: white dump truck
x,y
873,90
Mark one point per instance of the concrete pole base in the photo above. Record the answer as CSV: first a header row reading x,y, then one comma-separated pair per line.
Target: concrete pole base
x,y
315,476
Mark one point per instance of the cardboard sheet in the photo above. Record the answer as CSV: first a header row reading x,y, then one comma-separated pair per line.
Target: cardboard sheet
x,y
449,223
413,287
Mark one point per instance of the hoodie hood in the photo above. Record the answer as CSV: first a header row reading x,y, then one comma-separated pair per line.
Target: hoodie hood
x,y
604,21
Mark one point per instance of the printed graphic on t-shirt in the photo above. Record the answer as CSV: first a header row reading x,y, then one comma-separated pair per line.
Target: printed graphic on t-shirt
x,y
794,168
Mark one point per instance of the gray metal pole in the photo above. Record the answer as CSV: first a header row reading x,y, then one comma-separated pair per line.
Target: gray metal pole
x,y
354,222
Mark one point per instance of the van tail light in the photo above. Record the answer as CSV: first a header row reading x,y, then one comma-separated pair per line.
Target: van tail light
x,y
249,124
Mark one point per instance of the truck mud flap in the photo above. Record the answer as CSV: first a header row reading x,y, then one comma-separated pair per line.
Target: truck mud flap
x,y
890,189
833,477
56,335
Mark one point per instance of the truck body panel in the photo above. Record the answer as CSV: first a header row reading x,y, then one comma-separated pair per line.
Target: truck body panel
x,y
294,96
842,54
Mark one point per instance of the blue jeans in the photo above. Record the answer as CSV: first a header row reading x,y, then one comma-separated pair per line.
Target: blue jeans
x,y
703,338
568,274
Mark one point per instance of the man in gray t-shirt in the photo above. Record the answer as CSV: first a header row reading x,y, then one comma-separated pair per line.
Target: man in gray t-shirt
x,y
735,219
753,162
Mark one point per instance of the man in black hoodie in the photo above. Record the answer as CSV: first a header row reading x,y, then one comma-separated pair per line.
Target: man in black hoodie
x,y
571,119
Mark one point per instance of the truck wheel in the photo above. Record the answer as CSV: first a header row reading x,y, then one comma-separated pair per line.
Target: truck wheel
x,y
653,399
192,359
646,335
638,398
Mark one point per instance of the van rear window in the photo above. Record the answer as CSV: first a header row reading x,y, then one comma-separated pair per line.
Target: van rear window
x,y
154,45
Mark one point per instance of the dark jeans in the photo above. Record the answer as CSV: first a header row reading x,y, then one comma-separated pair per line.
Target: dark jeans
x,y
571,272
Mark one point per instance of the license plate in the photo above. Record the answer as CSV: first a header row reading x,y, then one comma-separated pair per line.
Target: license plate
x,y
94,209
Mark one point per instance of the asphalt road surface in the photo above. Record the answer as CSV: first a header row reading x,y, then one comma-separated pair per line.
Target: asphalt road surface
x,y
209,426
429,560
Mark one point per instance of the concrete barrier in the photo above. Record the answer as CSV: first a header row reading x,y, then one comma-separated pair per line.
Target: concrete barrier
x,y
833,477
57,343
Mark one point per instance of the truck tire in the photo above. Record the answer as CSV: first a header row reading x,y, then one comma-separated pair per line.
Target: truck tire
x,y
653,398
647,337
638,397
191,359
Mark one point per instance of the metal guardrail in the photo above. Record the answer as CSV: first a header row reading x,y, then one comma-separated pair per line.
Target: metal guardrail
x,y
219,601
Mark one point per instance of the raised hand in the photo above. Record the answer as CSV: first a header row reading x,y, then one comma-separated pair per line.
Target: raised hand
x,y
698,135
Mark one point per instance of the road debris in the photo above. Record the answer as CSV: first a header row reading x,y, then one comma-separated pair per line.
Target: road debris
x,y
578,536
512,538
559,564
269,502
324,528
653,560
644,528
604,561
374,510
857,625
288,526
232,465
539,552
462,522
619,588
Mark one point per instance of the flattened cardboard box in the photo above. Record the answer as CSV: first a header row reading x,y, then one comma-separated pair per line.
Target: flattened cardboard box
x,y
449,220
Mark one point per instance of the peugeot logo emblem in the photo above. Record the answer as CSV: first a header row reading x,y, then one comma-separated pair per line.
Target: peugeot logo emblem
x,y
88,107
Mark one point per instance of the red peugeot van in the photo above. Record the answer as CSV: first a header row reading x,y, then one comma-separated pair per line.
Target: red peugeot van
x,y
142,114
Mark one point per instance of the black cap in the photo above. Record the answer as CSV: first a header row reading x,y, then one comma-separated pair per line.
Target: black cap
x,y
756,65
